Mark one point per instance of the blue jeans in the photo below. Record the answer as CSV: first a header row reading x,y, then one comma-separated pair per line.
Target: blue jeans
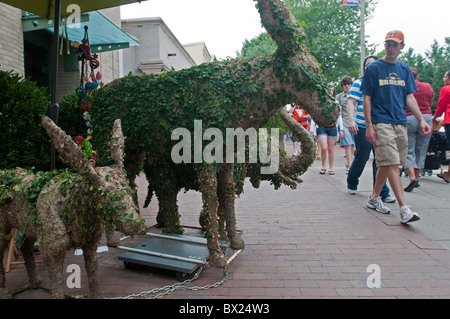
x,y
447,134
362,154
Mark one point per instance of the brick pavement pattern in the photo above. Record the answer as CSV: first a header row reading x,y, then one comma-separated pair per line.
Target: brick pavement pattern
x,y
312,242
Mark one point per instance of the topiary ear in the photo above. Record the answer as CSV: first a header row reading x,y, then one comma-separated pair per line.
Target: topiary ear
x,y
68,149
283,28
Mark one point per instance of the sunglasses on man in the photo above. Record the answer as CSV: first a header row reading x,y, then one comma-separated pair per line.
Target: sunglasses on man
x,y
391,44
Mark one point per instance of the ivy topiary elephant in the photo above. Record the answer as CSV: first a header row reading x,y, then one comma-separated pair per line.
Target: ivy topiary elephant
x,y
242,93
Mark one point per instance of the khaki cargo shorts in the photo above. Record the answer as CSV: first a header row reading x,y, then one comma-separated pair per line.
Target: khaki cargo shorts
x,y
391,147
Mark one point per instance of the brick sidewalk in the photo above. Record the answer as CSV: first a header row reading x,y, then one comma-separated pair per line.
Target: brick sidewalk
x,y
312,242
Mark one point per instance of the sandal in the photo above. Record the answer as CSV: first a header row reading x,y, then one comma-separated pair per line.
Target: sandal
x,y
440,175
330,172
322,171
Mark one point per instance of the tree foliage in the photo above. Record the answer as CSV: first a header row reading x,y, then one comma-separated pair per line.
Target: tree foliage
x,y
260,45
23,139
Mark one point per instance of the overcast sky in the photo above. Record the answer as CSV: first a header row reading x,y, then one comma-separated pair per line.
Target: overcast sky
x,y
224,24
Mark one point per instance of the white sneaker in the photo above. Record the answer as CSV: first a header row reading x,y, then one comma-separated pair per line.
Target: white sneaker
x,y
377,204
389,199
407,215
352,191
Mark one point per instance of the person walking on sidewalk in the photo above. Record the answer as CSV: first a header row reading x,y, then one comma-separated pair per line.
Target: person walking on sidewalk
x,y
326,138
388,85
357,127
443,107
295,141
301,116
348,140
418,143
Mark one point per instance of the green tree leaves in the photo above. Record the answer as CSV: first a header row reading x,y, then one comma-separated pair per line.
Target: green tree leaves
x,y
23,139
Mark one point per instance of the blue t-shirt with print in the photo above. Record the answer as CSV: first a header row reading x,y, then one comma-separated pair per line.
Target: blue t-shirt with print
x,y
388,84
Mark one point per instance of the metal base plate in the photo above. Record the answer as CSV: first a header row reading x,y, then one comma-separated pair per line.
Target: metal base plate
x,y
192,248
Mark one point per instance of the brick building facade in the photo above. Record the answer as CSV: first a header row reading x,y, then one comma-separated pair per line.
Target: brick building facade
x,y
28,53
25,49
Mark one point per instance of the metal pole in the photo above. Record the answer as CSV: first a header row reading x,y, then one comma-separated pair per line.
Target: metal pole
x,y
186,240
234,256
53,108
152,253
363,42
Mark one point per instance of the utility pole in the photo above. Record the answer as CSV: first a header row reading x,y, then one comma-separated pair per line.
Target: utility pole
x,y
363,42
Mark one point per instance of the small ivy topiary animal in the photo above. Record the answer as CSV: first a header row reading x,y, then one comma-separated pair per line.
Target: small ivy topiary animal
x,y
242,93
66,210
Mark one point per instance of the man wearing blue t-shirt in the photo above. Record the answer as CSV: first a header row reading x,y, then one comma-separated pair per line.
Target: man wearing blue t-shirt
x,y
357,126
388,87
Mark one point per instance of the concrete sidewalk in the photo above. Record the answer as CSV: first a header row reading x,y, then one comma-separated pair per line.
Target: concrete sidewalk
x,y
316,241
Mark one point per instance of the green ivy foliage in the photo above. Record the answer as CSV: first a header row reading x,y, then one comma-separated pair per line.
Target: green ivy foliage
x,y
89,212
221,94
262,45
11,183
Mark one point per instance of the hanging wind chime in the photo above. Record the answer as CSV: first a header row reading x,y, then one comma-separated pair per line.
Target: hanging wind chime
x,y
87,85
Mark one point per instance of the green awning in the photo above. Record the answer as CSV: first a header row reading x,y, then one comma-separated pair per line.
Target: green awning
x,y
46,8
104,35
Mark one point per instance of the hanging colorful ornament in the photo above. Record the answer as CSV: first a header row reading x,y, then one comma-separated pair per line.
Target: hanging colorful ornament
x,y
91,86
93,158
78,139
87,116
86,147
80,92
86,107
88,84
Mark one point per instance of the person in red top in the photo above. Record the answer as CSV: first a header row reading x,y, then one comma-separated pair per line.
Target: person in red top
x,y
443,107
418,143
301,116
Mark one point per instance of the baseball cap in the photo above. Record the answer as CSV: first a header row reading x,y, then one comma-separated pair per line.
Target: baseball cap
x,y
396,36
